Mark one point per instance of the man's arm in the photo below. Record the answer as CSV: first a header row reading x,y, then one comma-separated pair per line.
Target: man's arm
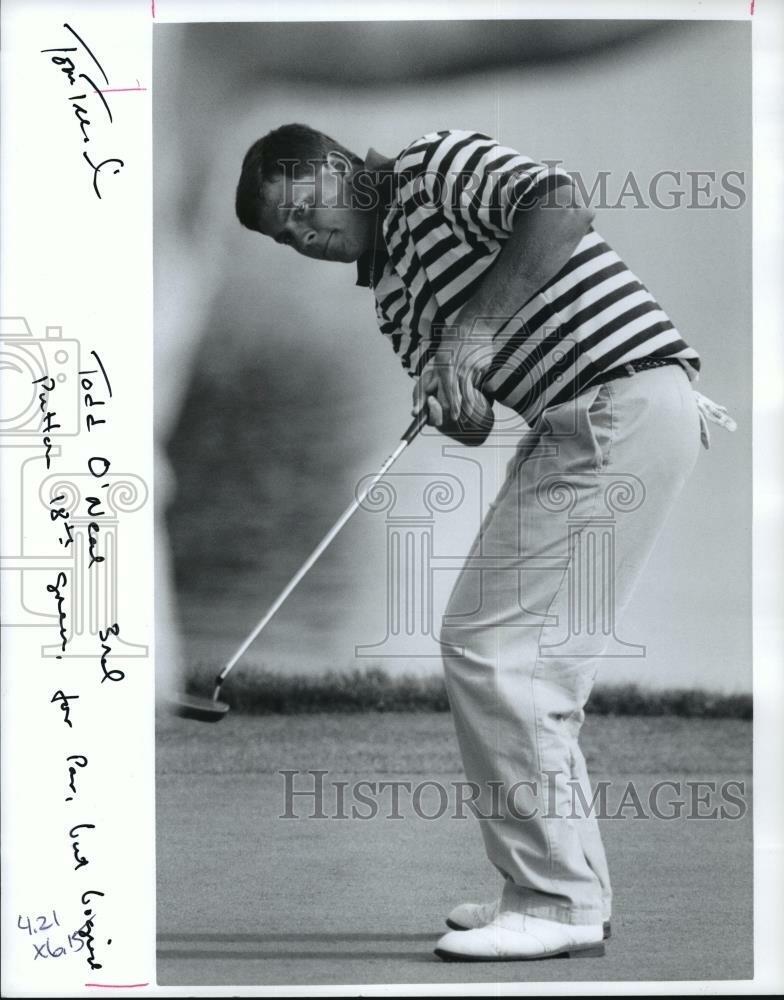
x,y
543,239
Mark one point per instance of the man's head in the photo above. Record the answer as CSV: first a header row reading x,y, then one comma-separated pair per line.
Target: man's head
x,y
296,187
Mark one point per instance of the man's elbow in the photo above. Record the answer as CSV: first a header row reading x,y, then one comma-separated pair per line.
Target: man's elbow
x,y
587,215
573,212
566,216
582,218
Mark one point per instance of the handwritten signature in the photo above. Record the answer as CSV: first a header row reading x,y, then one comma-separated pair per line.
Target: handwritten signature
x,y
82,103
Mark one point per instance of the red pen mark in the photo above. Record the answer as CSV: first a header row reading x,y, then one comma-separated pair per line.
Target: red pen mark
x,y
152,7
751,8
120,90
118,986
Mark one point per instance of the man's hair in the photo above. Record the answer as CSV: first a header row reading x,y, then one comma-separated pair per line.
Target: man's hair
x,y
292,149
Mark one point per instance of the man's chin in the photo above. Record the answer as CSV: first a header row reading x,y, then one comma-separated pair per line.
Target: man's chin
x,y
344,257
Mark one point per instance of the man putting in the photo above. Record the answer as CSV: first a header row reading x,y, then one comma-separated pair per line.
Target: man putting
x,y
493,287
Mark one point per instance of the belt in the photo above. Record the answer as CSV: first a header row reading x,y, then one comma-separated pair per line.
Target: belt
x,y
627,370
708,410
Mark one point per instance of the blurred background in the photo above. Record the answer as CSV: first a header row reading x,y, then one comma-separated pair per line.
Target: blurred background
x,y
275,393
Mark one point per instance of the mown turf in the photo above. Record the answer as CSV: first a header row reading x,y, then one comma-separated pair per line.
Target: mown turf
x,y
247,897
421,742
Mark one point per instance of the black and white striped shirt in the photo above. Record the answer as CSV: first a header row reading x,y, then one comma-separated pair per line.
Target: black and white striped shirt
x,y
454,197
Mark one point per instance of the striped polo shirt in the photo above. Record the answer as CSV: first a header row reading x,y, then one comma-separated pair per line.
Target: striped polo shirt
x,y
448,203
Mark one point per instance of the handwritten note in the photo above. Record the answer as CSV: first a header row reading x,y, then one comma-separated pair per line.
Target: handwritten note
x,y
84,837
84,94
76,559
56,944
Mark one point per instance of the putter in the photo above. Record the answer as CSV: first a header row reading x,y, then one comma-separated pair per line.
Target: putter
x,y
214,709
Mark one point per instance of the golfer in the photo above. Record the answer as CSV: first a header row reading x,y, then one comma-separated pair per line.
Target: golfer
x,y
493,287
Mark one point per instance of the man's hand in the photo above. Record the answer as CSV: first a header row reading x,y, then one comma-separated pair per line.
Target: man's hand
x,y
454,402
440,387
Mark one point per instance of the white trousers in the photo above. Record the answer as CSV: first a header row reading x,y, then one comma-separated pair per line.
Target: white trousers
x,y
537,608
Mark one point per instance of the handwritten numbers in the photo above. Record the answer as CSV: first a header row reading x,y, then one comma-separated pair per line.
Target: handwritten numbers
x,y
61,514
56,512
74,940
57,952
28,924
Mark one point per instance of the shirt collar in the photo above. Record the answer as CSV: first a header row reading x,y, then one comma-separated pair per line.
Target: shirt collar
x,y
379,170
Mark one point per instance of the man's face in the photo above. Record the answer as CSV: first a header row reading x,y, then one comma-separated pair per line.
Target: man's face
x,y
316,216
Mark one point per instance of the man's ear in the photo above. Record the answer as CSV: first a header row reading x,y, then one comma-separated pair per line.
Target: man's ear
x,y
338,163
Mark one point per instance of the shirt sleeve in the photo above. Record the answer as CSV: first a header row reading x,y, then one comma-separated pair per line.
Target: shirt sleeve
x,y
479,184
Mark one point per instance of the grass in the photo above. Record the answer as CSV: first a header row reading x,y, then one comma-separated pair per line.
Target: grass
x,y
261,692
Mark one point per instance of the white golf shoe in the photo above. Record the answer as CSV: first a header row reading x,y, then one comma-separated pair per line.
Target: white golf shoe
x,y
468,916
515,937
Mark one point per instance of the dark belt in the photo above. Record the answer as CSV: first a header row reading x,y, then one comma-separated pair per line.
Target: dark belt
x,y
627,370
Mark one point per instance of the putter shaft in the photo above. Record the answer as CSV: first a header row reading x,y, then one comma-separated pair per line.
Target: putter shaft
x,y
411,432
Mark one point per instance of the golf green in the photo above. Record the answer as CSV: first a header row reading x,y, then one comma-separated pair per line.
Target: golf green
x,y
246,897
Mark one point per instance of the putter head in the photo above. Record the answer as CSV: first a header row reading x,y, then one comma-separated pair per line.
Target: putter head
x,y
189,706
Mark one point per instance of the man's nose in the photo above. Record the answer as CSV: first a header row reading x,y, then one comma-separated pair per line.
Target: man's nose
x,y
306,240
